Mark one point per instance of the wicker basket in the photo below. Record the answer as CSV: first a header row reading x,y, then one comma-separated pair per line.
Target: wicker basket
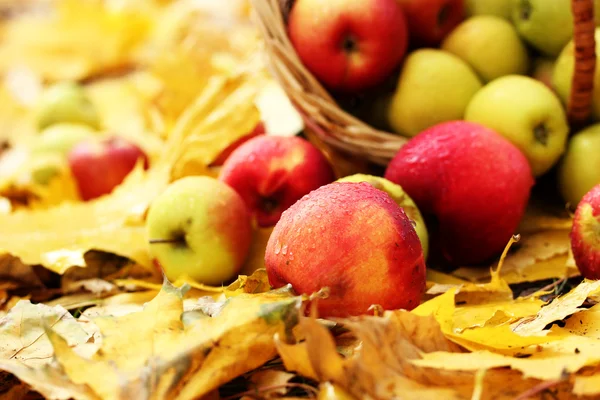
x,y
326,122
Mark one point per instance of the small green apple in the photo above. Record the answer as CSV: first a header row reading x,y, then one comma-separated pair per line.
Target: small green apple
x,y
545,24
563,75
61,138
199,227
66,102
498,8
434,86
398,194
525,112
579,169
490,45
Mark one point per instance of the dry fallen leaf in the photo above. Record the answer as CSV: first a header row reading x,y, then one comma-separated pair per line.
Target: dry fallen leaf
x,y
557,310
22,332
80,39
540,255
148,350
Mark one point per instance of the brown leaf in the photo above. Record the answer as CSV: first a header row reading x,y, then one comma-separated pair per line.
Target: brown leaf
x,y
271,378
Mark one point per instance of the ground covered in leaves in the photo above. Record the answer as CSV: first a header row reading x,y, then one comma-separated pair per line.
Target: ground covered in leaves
x,y
84,314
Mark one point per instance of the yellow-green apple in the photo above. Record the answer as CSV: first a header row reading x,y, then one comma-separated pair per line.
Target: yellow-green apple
x,y
201,228
543,69
429,21
356,241
258,130
563,75
472,181
349,45
546,25
99,166
66,102
498,8
271,173
401,198
434,86
527,113
61,138
585,234
490,45
579,169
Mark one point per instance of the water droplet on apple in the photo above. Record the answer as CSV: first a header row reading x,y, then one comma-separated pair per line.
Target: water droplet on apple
x,y
277,248
284,249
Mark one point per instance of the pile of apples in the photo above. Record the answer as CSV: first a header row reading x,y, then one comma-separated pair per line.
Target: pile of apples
x,y
479,88
70,130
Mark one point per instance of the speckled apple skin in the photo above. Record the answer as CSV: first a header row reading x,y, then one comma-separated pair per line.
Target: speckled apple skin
x,y
585,234
317,30
353,239
279,168
475,182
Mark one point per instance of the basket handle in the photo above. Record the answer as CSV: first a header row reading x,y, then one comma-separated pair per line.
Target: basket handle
x,y
579,107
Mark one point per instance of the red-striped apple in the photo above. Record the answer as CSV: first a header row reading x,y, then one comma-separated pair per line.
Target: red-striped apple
x,y
99,166
472,181
354,240
585,234
272,172
349,45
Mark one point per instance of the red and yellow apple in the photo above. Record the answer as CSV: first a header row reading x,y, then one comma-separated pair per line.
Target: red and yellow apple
x,y
585,234
398,194
272,172
199,227
349,45
354,240
99,166
472,181
429,21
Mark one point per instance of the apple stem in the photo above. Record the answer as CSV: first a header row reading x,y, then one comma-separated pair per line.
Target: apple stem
x,y
541,134
525,9
159,241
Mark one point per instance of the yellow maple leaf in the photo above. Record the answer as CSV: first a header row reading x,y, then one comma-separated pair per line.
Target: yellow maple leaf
x,y
163,348
540,255
148,351
78,40
22,332
558,309
57,238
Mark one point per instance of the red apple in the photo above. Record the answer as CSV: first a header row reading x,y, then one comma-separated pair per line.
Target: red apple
x,y
429,21
272,172
356,241
472,180
349,45
99,166
257,131
585,234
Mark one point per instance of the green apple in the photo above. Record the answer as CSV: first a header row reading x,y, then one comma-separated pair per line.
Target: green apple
x,y
543,69
401,198
579,169
563,75
66,102
498,8
61,138
490,45
528,114
199,227
545,24
434,86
